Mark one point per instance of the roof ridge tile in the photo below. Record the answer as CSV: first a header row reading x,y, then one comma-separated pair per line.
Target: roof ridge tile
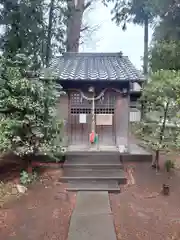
x,y
95,66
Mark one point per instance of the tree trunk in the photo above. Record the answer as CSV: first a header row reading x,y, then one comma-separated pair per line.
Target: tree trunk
x,y
28,164
145,59
146,41
49,36
75,11
155,164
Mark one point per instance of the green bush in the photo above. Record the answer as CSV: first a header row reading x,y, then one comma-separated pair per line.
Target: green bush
x,y
28,116
27,178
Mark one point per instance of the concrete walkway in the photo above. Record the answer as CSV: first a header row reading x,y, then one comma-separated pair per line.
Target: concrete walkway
x,y
91,219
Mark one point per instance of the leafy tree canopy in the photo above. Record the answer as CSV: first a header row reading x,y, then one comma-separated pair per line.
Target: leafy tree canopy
x,y
168,26
165,55
135,11
160,128
28,125
26,28
165,49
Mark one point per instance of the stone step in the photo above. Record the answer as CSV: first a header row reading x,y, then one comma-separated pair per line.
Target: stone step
x,y
89,172
92,153
110,186
94,172
82,166
93,159
98,175
93,189
136,158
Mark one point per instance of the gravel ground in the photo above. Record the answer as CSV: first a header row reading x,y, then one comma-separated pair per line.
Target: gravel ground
x,y
141,212
43,213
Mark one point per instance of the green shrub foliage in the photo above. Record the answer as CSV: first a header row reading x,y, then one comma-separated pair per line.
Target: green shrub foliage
x,y
28,122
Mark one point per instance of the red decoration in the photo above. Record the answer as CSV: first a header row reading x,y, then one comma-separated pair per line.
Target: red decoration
x,y
92,137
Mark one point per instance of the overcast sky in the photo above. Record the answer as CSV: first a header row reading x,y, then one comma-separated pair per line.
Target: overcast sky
x,y
110,38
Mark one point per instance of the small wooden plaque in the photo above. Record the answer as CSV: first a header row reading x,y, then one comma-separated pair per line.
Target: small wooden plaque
x,y
104,119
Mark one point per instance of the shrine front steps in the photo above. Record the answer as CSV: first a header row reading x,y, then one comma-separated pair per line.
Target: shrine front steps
x,y
93,172
100,170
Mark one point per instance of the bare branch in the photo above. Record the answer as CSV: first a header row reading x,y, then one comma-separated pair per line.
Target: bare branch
x,y
87,5
84,28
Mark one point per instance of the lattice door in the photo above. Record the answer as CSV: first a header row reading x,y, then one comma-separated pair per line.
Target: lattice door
x,y
106,106
79,132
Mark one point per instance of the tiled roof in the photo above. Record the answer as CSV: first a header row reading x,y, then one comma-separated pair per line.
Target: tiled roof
x,y
94,66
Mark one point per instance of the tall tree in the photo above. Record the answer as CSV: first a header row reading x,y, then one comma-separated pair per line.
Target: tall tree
x,y
49,31
168,26
55,28
23,27
141,12
165,49
76,9
35,28
40,29
162,99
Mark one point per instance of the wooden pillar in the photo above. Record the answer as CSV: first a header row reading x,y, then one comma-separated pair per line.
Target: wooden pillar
x,y
63,112
122,120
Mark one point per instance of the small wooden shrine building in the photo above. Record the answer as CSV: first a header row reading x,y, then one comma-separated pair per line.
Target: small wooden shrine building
x,y
98,96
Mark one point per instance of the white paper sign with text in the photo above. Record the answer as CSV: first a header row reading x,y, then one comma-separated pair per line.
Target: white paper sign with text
x,y
82,118
104,119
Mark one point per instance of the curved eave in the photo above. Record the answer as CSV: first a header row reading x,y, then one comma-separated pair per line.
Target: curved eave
x,y
93,80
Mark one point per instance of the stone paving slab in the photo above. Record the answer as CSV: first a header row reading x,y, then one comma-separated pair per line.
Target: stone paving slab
x,y
92,218
89,203
93,227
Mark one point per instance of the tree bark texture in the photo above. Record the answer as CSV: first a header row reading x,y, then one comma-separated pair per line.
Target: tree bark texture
x,y
145,60
75,15
49,36
146,41
156,161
